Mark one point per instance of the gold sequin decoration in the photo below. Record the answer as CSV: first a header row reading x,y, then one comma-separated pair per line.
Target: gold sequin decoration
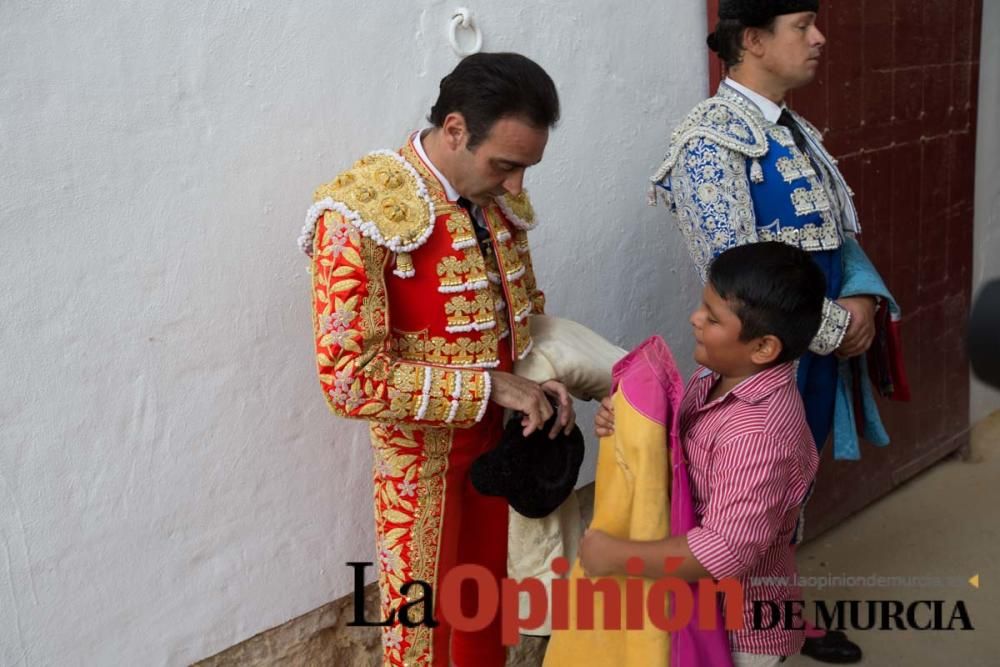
x,y
462,311
454,271
463,351
383,192
520,206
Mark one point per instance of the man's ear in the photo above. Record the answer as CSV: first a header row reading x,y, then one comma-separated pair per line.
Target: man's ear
x,y
454,130
753,41
767,349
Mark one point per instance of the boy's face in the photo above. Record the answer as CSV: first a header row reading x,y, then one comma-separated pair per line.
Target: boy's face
x,y
717,337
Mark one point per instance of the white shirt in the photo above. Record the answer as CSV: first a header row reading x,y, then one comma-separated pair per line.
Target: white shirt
x,y
449,190
770,110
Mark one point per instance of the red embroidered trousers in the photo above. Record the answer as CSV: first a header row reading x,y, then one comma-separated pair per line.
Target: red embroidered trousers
x,y
428,520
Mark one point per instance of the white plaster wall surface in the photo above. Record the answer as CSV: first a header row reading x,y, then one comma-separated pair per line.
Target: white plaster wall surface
x,y
986,265
171,481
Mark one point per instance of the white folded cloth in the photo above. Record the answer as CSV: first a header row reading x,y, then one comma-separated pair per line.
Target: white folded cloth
x,y
581,359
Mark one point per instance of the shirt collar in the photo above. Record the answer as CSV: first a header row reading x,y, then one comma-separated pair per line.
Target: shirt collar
x,y
758,386
770,110
449,190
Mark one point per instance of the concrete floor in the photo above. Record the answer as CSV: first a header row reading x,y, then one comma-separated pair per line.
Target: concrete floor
x,y
942,523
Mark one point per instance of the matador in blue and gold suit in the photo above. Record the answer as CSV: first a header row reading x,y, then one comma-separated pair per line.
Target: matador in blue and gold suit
x,y
733,176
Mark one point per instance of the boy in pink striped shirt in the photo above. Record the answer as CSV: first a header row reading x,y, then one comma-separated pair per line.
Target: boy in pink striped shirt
x,y
749,450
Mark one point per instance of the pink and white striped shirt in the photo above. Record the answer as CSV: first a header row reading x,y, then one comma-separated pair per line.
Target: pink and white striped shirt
x,y
751,459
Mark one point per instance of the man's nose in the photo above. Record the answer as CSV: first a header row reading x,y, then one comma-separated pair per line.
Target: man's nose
x,y
514,183
819,39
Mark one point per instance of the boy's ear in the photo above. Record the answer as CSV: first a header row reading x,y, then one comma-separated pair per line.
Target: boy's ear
x,y
767,350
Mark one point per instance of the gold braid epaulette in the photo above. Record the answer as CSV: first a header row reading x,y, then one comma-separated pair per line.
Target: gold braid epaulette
x,y
518,209
383,196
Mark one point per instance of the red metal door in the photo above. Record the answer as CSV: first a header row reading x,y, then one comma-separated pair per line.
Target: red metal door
x,y
896,99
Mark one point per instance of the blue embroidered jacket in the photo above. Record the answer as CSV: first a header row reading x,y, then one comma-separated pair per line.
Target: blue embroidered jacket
x,y
733,177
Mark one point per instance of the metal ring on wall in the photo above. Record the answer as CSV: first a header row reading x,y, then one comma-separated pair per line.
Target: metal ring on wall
x,y
463,18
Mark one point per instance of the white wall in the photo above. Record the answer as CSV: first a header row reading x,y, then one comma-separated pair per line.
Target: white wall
x,y
987,236
170,479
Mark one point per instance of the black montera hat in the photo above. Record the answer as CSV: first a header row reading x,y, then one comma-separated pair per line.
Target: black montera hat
x,y
759,12
984,328
535,474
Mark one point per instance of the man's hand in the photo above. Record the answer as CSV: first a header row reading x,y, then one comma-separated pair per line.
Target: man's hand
x,y
567,415
861,330
604,420
599,555
517,393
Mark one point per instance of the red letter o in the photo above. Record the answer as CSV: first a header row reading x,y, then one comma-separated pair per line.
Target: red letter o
x,y
451,597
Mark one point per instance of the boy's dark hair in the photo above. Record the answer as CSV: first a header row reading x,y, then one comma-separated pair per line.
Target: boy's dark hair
x,y
486,87
727,40
775,289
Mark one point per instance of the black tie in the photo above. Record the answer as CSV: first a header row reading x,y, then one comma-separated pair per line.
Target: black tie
x,y
788,121
482,234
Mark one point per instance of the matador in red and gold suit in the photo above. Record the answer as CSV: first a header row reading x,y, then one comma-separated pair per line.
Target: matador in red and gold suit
x,y
410,312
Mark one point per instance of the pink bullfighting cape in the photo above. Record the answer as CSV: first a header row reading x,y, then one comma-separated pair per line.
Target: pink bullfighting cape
x,y
641,494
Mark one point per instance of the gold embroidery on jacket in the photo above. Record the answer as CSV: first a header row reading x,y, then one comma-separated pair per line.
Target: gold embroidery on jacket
x,y
373,306
478,311
380,191
460,227
470,272
463,351
454,272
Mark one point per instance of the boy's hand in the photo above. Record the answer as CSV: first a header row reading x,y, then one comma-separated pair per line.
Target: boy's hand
x,y
604,420
599,554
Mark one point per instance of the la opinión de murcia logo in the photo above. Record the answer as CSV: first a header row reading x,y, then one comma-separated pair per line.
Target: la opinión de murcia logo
x,y
667,603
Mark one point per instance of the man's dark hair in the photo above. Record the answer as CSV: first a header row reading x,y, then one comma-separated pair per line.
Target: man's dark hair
x,y
775,289
727,40
486,87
